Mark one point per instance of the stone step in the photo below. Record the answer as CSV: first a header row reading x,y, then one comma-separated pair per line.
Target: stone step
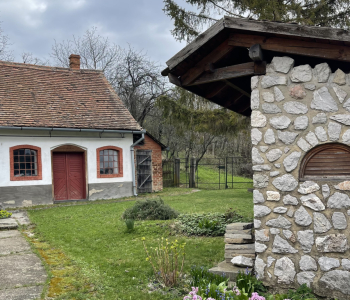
x,y
229,256
228,269
235,231
239,226
240,247
238,238
8,223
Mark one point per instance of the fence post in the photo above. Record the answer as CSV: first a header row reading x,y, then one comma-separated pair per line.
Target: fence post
x,y
177,172
192,181
226,173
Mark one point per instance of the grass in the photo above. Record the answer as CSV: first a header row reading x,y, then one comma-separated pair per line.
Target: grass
x,y
90,252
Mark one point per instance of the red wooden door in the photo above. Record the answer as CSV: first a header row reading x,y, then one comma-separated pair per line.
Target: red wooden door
x,y
69,175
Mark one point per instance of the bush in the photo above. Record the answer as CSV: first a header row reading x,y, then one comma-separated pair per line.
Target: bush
x,y
211,224
5,214
130,224
150,210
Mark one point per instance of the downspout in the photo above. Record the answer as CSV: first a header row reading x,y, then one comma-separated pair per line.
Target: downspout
x,y
133,161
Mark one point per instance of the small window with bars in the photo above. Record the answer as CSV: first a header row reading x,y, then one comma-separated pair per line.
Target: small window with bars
x,y
109,163
25,162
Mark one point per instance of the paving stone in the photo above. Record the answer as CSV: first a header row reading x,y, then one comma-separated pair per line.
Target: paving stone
x,y
8,223
261,211
320,118
282,64
341,94
322,72
256,136
306,278
280,222
338,200
13,245
255,99
291,161
23,293
285,270
311,139
269,137
290,200
269,108
256,157
21,269
260,181
282,122
321,133
332,243
274,154
325,191
301,74
21,218
328,263
295,108
282,246
341,118
9,233
307,263
257,119
285,183
273,196
262,235
278,94
306,240
287,137
336,280
321,223
280,210
302,217
339,77
339,220
258,197
303,145
323,101
301,123
270,81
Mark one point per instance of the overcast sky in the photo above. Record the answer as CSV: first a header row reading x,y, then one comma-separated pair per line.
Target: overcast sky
x,y
33,25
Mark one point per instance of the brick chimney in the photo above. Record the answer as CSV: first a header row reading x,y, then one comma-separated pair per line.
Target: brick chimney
x,y
74,61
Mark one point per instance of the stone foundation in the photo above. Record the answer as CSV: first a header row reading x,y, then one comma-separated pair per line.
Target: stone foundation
x,y
301,226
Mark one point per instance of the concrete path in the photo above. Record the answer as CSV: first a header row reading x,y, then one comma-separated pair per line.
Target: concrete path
x,y
22,274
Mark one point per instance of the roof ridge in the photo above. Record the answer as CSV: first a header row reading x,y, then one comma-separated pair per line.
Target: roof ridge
x,y
46,68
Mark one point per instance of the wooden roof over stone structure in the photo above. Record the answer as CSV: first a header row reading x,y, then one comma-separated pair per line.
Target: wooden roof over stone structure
x,y
40,96
219,63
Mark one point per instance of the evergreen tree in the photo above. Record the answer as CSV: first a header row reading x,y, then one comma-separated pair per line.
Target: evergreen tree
x,y
189,23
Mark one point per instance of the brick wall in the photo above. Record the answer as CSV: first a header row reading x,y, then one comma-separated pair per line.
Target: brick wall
x,y
157,171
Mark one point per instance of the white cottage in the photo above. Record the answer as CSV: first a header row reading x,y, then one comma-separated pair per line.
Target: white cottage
x,y
64,135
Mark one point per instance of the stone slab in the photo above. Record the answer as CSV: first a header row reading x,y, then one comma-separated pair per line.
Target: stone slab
x,y
19,270
21,218
13,245
9,233
24,293
230,270
8,223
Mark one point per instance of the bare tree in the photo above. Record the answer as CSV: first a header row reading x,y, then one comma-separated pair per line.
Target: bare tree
x,y
28,58
5,53
135,77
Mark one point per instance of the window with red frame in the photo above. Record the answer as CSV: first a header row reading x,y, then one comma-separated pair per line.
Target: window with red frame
x,y
25,163
109,161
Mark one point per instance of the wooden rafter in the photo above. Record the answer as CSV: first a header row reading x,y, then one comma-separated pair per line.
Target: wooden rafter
x,y
200,67
230,72
236,88
292,46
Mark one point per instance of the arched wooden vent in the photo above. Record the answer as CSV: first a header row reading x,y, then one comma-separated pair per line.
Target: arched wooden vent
x,y
328,161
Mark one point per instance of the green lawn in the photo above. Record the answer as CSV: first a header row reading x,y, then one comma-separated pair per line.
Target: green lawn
x,y
88,244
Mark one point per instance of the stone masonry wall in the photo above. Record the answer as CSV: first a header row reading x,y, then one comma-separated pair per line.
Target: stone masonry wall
x,y
301,228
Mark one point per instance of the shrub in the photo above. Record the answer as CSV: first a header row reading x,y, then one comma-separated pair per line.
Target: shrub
x,y
212,224
167,260
5,214
150,210
130,223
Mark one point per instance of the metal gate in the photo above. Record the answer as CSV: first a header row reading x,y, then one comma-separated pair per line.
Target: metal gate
x,y
144,171
168,173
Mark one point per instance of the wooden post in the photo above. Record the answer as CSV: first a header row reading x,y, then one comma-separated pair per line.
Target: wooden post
x,y
192,181
177,172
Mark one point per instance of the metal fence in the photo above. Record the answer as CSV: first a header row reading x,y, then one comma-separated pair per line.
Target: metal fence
x,y
208,173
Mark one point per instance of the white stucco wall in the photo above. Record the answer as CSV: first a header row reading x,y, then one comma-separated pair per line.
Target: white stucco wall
x,y
90,143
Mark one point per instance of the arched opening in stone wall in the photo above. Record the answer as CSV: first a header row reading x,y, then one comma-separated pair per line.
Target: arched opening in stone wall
x,y
327,161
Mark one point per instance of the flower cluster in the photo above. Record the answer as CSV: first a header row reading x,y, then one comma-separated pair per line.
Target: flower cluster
x,y
193,295
255,296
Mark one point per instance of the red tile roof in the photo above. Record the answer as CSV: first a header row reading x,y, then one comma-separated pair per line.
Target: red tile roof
x,y
38,96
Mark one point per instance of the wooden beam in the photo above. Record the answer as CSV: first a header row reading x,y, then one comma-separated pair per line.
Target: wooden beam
x,y
236,88
215,91
234,71
292,46
260,67
255,53
200,67
174,80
